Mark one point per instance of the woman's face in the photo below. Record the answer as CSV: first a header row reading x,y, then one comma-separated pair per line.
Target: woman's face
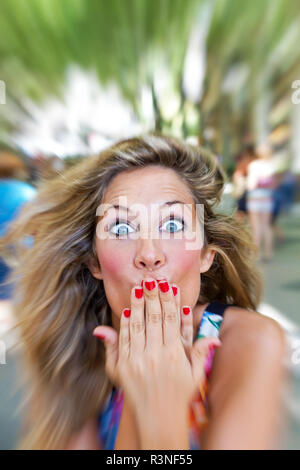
x,y
149,239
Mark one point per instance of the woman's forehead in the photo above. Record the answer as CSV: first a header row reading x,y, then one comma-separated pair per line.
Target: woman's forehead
x,y
148,185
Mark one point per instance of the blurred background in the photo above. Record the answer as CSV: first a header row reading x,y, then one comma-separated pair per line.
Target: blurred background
x,y
78,75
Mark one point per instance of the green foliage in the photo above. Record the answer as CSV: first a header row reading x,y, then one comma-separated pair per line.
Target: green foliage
x,y
126,41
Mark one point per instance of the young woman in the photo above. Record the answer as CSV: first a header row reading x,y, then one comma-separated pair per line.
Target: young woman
x,y
112,235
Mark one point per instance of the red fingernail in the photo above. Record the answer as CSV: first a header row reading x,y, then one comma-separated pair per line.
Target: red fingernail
x,y
150,285
100,336
164,286
138,292
212,347
186,310
127,312
174,290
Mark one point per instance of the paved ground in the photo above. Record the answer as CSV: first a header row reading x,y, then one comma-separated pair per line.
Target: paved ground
x,y
281,300
282,275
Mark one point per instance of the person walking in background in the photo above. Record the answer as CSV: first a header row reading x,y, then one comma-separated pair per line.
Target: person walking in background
x,y
284,195
260,185
14,193
239,179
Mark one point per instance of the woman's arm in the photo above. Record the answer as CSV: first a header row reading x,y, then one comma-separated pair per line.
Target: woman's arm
x,y
128,436
86,439
246,385
164,427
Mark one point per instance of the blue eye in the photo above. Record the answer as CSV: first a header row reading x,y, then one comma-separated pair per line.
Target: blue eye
x,y
122,229
173,223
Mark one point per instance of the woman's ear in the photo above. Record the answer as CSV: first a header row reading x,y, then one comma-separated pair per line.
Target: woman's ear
x,y
206,260
95,269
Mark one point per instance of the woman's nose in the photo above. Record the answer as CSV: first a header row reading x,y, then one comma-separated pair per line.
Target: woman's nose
x,y
149,255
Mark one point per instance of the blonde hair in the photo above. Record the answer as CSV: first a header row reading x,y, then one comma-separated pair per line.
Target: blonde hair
x,y
58,302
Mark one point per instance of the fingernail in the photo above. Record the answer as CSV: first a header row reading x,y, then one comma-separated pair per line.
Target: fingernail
x,y
186,310
212,347
174,290
164,286
138,292
150,285
127,312
99,335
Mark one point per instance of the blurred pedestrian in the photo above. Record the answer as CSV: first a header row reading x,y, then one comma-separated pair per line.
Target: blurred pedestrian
x,y
14,192
239,179
284,195
260,185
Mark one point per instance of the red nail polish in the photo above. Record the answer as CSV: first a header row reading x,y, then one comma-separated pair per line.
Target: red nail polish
x,y
164,286
174,290
127,312
150,285
186,310
100,336
212,347
138,292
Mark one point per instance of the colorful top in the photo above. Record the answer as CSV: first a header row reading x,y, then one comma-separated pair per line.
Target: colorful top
x,y
109,418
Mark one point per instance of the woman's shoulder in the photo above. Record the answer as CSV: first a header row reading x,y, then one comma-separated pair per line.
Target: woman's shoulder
x,y
249,340
248,337
234,319
239,322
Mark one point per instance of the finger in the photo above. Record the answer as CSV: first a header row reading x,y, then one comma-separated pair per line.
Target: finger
x,y
184,321
111,341
176,292
171,324
154,333
124,334
199,353
137,321
187,331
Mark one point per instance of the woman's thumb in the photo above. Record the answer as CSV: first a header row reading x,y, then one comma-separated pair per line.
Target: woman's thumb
x,y
201,357
111,340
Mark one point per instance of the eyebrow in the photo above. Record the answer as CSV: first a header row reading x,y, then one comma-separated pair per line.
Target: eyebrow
x,y
117,206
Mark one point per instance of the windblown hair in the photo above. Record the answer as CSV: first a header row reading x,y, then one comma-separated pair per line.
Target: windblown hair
x,y
57,301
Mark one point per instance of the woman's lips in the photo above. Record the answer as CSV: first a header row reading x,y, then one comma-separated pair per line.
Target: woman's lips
x,y
157,280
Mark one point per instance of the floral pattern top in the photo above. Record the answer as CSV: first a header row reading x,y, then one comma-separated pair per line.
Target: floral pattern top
x,y
109,418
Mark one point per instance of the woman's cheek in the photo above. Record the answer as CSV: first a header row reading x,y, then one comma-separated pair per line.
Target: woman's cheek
x,y
186,270
183,258
114,267
113,260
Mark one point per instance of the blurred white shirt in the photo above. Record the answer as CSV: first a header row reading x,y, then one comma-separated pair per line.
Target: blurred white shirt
x,y
260,172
